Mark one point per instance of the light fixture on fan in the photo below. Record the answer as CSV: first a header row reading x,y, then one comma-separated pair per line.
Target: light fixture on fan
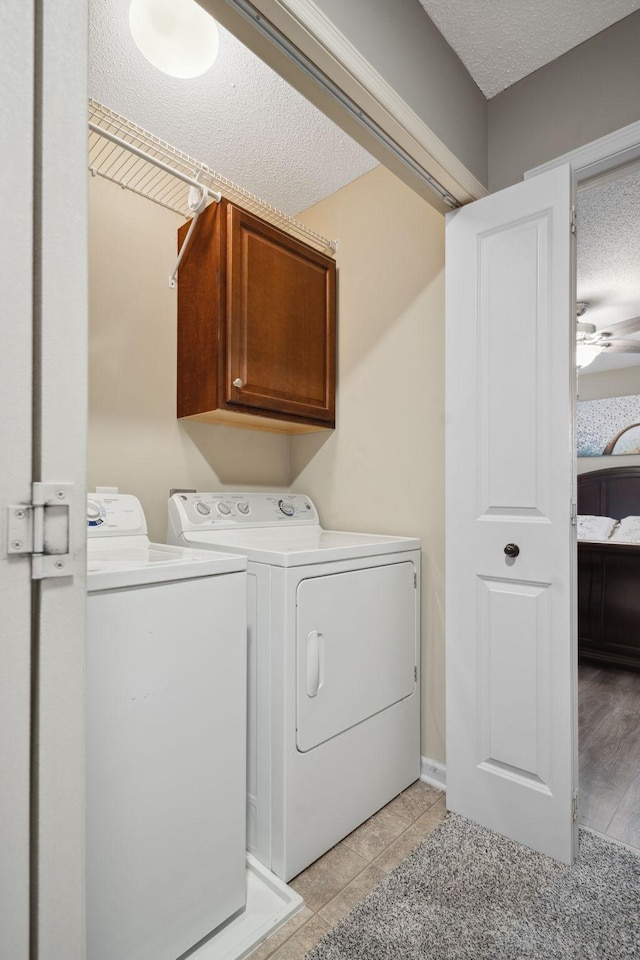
x,y
176,36
591,341
586,354
586,350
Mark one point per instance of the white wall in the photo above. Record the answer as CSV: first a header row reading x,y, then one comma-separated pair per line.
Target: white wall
x,y
135,441
624,382
382,470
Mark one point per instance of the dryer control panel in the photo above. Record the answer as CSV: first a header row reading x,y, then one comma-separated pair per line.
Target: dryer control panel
x,y
201,511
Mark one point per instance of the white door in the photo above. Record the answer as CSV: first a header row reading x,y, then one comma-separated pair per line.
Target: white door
x,y
511,648
42,438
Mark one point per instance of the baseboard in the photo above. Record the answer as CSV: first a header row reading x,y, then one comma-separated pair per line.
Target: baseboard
x,y
433,772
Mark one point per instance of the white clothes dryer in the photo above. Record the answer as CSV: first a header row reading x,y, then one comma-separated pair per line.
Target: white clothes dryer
x,y
166,738
334,645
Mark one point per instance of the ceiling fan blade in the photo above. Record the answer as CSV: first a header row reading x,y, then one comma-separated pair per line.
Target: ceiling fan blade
x,y
625,326
622,346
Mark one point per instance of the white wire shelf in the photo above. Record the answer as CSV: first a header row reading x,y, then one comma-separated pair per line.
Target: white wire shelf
x,y
127,155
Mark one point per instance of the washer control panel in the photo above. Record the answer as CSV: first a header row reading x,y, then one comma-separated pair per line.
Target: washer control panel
x,y
115,515
191,511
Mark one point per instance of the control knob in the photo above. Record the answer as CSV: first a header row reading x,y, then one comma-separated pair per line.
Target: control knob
x,y
243,507
287,508
93,510
203,508
224,509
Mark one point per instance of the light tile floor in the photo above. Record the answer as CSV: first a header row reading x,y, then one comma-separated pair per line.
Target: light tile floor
x,y
343,877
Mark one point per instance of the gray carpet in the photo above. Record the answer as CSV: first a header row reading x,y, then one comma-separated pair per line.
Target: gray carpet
x,y
468,894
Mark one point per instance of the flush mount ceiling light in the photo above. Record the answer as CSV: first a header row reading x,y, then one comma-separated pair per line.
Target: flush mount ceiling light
x,y
176,36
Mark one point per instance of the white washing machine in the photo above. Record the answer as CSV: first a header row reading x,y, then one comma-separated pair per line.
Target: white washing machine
x,y
166,738
334,644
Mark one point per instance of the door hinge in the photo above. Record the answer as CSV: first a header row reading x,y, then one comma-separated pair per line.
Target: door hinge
x,y
41,529
574,807
415,580
574,514
574,221
415,673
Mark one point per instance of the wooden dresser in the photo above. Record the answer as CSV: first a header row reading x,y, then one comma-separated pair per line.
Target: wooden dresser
x,y
609,573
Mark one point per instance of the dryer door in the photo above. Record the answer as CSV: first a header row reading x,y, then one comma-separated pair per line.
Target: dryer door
x,y
356,648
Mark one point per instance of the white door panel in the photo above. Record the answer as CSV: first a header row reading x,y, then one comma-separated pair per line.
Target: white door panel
x,y
514,622
510,387
356,648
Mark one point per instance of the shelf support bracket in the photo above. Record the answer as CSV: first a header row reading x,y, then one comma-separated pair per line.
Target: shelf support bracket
x,y
198,196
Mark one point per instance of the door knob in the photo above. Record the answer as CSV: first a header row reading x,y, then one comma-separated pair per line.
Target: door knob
x,y
238,383
512,550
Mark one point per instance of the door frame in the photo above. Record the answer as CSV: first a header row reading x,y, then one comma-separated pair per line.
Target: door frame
x,y
44,265
16,376
590,160
599,156
59,457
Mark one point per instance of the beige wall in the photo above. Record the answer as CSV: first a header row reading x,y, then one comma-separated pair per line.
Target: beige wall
x,y
382,470
135,441
589,92
624,382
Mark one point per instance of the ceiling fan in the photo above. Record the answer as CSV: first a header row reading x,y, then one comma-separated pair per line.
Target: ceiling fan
x,y
591,342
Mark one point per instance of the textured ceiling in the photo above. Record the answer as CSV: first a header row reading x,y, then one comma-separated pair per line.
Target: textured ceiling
x,y
609,257
240,118
502,41
246,123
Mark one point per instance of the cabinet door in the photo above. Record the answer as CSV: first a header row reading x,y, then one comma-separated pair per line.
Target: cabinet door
x,y
280,322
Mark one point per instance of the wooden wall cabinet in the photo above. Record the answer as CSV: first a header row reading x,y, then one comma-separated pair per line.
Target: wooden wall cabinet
x,y
256,326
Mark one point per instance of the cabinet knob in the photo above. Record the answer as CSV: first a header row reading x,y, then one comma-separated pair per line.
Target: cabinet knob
x,y
238,383
512,550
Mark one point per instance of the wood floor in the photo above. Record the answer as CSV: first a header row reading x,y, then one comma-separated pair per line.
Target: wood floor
x,y
609,717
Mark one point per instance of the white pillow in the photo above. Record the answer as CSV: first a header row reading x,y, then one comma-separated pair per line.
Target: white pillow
x,y
595,528
628,531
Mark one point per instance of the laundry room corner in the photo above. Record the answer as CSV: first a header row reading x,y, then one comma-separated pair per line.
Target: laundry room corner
x,y
381,471
135,441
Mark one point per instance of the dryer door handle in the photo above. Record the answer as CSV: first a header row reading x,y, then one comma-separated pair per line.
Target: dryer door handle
x,y
315,662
